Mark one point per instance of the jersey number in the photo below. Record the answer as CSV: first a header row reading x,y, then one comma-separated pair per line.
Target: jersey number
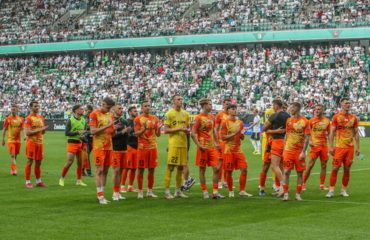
x,y
174,159
141,162
202,161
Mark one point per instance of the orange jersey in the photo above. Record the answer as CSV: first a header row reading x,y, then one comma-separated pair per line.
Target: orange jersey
x,y
204,125
232,145
344,125
220,117
319,131
35,122
102,140
14,126
296,129
147,140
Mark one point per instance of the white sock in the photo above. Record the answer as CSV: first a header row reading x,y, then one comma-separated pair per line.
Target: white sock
x,y
38,180
28,181
78,180
254,144
177,190
62,178
100,189
167,191
258,146
129,186
215,192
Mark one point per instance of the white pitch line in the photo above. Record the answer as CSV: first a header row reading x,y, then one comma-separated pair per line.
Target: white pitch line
x,y
253,179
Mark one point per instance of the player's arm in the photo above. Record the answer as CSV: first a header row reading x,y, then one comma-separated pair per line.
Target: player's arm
x,y
140,128
195,139
229,136
94,130
124,132
4,134
215,137
28,131
158,130
357,140
331,139
168,129
267,126
68,132
305,145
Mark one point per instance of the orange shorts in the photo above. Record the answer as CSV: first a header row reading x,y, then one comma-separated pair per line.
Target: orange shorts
x,y
131,157
119,159
13,148
321,152
34,151
102,157
147,158
209,157
343,155
277,147
74,148
235,161
222,145
291,159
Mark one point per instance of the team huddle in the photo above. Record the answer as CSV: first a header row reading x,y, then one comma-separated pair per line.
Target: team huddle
x,y
129,146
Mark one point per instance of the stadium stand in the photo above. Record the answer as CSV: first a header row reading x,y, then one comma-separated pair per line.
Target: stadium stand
x,y
250,77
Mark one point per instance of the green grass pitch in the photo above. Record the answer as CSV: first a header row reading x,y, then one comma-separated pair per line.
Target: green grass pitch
x,y
71,212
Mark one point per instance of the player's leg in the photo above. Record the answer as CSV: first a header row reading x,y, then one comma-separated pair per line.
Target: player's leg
x,y
337,163
254,143
277,147
263,176
288,166
123,180
348,160
167,180
39,154
70,159
14,149
202,180
27,172
116,163
258,143
307,173
229,168
79,169
100,174
299,185
152,164
241,164
324,157
213,160
132,164
143,155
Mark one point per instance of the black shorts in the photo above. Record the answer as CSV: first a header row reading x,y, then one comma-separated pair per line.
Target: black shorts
x,y
255,136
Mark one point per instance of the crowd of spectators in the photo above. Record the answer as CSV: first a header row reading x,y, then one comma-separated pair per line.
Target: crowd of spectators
x,y
32,21
250,77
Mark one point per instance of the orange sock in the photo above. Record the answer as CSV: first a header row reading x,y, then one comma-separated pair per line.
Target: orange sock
x,y
305,177
225,176
64,172
286,188
215,187
132,177
298,189
229,180
79,173
204,187
322,180
37,170
262,180
220,173
116,188
14,167
100,194
277,182
150,181
124,177
333,179
140,182
27,172
345,179
242,181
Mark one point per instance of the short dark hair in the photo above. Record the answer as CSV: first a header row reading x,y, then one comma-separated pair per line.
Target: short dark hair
x,y
278,102
75,107
231,106
344,99
131,108
204,101
109,101
144,102
226,100
33,102
89,107
285,104
296,104
176,95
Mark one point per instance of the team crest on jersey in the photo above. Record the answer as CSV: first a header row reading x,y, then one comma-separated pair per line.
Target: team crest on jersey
x,y
222,127
303,164
91,120
195,122
26,121
350,122
134,124
165,118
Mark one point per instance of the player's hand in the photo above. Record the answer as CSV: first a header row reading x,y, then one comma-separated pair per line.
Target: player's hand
x,y
109,124
311,144
3,143
218,147
160,124
331,151
184,129
81,131
167,149
302,156
45,128
145,126
237,130
244,130
201,148
126,130
357,151
280,130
